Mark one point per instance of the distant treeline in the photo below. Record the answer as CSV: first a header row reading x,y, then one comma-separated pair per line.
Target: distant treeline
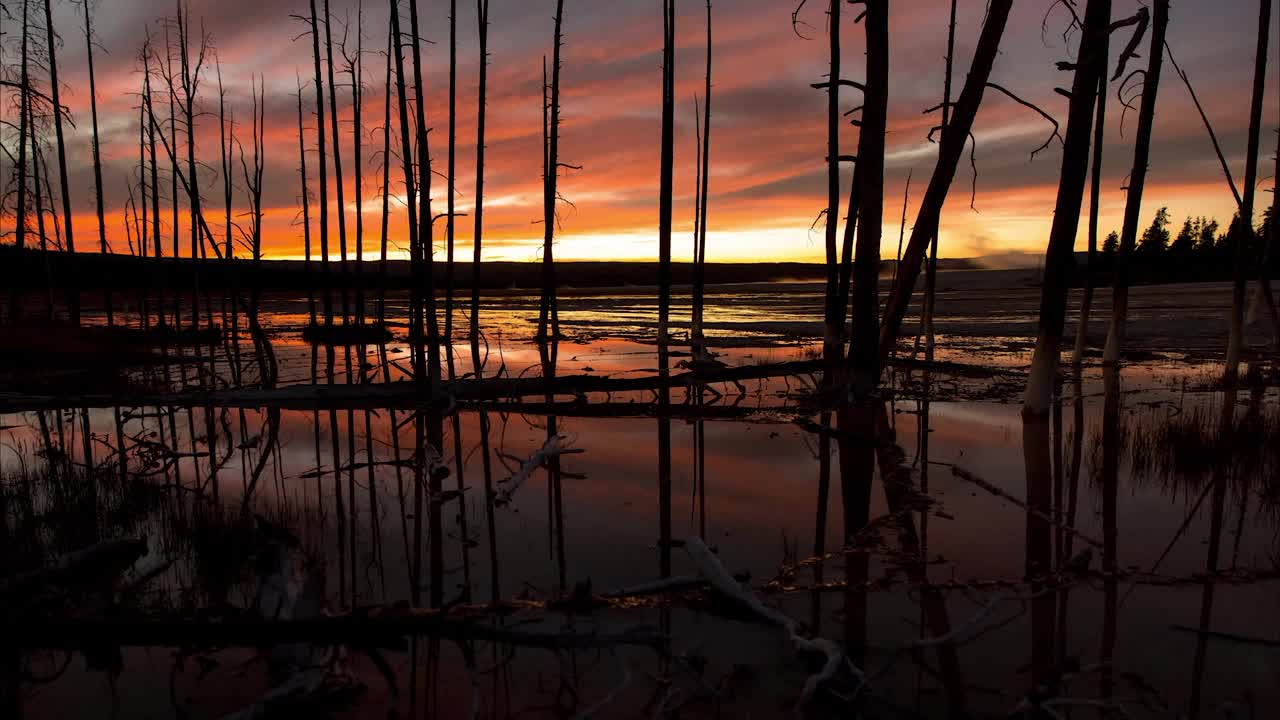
x,y
33,269
1201,250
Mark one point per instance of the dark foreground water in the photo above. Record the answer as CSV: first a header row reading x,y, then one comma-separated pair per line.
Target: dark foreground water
x,y
1116,559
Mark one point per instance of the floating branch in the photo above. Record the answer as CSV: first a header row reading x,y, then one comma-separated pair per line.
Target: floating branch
x,y
724,583
554,447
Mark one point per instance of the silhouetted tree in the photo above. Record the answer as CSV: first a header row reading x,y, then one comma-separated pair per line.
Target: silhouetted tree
x,y
482,19
1111,245
97,153
950,149
1060,253
864,355
1235,341
1095,200
68,227
15,294
1138,174
1155,239
666,163
1207,243
323,169
1184,242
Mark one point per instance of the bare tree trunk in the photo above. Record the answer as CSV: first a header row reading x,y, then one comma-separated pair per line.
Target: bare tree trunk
x,y
15,293
951,146
666,167
426,243
1090,63
386,182
931,274
1265,296
434,427
451,183
1095,199
97,156
834,315
224,150
704,158
1137,182
1235,343
167,71
73,294
324,174
190,78
337,169
548,313
143,229
864,358
155,173
36,163
357,93
306,211
482,18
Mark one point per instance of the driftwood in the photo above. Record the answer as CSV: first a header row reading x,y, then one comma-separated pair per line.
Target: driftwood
x,y
553,447
724,583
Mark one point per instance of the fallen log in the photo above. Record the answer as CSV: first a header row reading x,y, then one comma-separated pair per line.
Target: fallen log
x,y
408,396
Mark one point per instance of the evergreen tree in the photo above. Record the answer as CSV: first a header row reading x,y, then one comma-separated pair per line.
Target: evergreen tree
x,y
1207,238
1111,246
1155,239
1185,242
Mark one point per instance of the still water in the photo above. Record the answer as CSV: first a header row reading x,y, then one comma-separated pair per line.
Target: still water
x,y
1137,577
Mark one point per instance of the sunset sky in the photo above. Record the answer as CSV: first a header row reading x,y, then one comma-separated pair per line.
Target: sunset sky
x,y
768,128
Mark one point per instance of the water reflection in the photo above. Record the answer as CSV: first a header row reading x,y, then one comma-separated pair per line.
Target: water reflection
x,y
442,551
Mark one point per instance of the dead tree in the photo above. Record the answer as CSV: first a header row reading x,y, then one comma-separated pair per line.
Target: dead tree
x,y
323,170
224,152
1090,63
834,315
97,156
426,242
451,183
386,183
950,148
704,160
253,185
306,209
1235,342
548,312
337,169
864,358
190,79
143,229
155,171
355,68
1137,182
931,273
24,100
482,17
166,71
666,168
73,295
1095,199
1264,296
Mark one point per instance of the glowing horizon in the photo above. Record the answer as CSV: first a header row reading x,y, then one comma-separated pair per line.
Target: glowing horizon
x,y
768,137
